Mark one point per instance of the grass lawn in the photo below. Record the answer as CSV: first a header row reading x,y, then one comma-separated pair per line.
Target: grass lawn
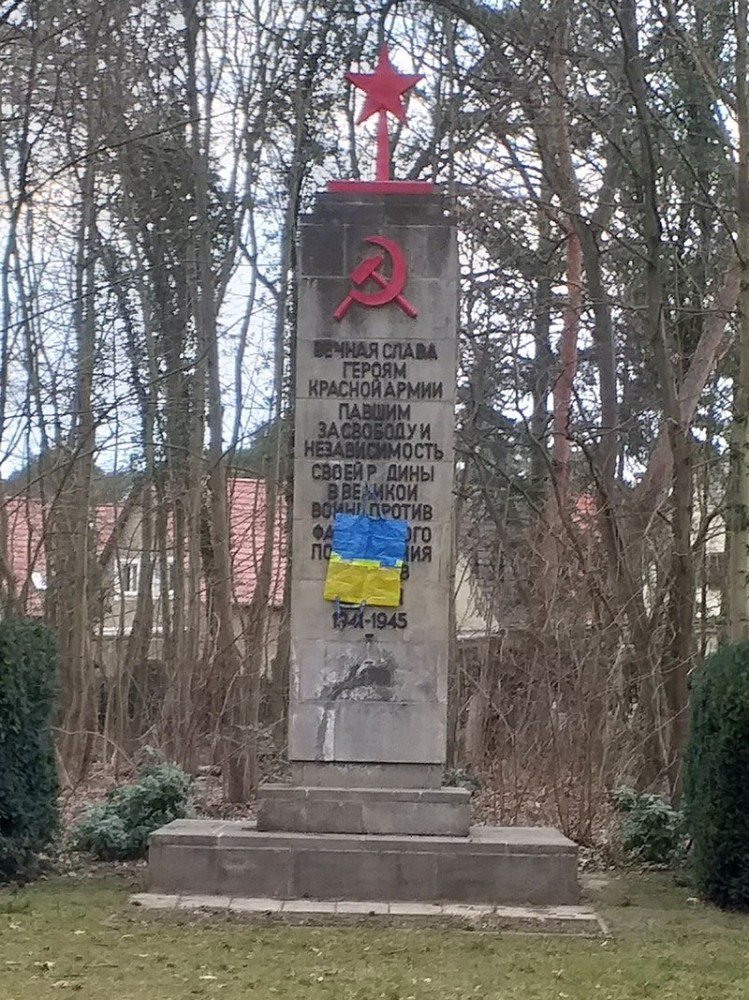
x,y
80,937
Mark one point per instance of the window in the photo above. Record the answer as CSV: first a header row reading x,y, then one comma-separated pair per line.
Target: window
x,y
170,576
129,577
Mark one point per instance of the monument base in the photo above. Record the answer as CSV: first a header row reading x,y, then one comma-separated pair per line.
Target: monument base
x,y
495,865
443,812
337,774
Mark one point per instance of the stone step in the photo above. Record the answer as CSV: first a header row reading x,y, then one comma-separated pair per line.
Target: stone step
x,y
441,812
524,919
492,865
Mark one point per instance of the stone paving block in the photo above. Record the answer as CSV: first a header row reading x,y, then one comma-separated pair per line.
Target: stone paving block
x,y
364,907
336,874
154,901
562,920
417,818
520,912
480,878
329,816
172,867
416,909
531,839
203,903
200,831
333,817
467,912
263,872
571,912
308,906
260,905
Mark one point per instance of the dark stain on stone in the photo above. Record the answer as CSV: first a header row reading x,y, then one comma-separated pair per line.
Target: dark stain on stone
x,y
375,677
368,680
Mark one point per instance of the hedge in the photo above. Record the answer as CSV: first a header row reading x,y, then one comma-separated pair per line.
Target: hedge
x,y
28,776
716,786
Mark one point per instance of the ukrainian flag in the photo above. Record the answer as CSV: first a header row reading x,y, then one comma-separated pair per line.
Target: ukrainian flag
x,y
366,560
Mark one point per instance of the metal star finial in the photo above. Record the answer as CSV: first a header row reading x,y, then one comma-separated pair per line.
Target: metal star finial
x,y
384,88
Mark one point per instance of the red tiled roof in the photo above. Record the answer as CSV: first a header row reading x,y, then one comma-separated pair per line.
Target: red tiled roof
x,y
25,526
106,517
247,524
247,521
586,508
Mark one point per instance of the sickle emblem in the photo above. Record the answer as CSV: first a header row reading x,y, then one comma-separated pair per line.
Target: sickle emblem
x,y
390,288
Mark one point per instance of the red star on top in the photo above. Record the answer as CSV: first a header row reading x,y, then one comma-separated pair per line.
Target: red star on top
x,y
383,88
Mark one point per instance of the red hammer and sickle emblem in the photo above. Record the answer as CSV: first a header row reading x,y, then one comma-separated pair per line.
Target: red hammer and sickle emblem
x,y
390,288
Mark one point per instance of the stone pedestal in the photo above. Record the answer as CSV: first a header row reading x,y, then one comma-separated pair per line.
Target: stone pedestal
x,y
365,817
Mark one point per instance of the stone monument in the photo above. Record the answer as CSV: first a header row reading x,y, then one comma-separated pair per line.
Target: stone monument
x,y
366,816
375,403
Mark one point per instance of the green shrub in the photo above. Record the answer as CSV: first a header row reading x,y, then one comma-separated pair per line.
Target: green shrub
x,y
118,829
28,776
717,777
650,831
461,778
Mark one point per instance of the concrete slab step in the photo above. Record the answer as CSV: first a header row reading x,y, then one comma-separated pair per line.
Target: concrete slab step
x,y
492,866
313,809
578,920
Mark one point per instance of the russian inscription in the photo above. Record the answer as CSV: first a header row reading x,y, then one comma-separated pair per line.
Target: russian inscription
x,y
375,444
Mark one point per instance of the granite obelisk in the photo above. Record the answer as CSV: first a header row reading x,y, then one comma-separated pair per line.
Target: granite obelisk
x,y
374,432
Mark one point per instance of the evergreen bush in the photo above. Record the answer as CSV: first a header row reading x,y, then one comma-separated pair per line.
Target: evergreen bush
x,y
28,775
118,829
649,831
717,777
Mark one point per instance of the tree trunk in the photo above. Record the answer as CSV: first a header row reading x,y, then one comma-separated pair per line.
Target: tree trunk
x,y
737,501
